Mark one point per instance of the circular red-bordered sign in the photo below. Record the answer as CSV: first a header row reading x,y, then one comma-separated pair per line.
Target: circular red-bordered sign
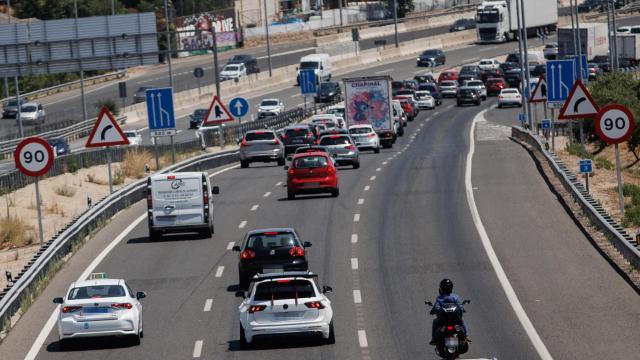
x,y
33,156
614,124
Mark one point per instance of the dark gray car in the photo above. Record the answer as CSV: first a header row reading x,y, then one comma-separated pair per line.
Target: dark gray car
x,y
261,146
342,148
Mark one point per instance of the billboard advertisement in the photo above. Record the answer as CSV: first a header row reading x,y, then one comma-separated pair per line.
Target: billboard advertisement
x,y
368,101
195,35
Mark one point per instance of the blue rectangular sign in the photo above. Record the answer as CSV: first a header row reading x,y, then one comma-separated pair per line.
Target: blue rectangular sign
x,y
160,109
585,73
308,82
560,78
546,124
586,166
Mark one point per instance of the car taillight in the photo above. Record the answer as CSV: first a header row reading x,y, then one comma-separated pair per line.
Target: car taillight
x,y
122,306
351,147
500,97
70,309
284,136
244,143
372,135
256,308
296,251
314,305
247,254
450,327
291,172
276,141
331,169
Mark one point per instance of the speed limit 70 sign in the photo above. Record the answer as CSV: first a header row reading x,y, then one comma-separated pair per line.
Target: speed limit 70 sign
x,y
614,124
33,156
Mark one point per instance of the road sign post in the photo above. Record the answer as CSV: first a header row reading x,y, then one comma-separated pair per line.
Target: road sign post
x,y
586,168
34,157
198,73
106,132
162,121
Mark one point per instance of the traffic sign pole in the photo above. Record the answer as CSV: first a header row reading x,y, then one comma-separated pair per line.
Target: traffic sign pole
x,y
553,130
108,150
173,151
619,176
40,229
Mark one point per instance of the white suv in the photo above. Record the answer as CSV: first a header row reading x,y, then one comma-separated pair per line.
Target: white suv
x,y
285,303
270,107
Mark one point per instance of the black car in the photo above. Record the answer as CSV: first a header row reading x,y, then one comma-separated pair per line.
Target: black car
x,y
423,79
141,94
268,250
513,57
603,62
468,96
590,5
463,24
539,70
506,66
196,118
10,108
328,91
295,136
491,74
513,77
431,57
60,146
249,62
435,91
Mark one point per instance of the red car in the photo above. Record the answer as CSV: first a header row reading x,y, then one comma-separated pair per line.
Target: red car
x,y
448,75
408,107
495,85
312,173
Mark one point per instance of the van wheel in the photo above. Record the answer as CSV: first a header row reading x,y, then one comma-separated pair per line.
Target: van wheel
x,y
243,339
206,233
154,235
356,165
281,162
332,335
244,164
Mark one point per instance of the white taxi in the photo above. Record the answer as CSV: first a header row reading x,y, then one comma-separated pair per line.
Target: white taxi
x,y
285,303
99,307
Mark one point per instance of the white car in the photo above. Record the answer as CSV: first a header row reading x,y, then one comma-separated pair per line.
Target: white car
x,y
32,112
550,51
270,107
509,97
328,119
425,100
233,71
365,137
285,303
488,64
134,137
99,307
477,85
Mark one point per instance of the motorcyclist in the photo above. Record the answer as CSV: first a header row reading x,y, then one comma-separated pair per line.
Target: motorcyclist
x,y
446,296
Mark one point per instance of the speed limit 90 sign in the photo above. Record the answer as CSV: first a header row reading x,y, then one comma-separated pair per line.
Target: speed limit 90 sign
x,y
614,124
33,156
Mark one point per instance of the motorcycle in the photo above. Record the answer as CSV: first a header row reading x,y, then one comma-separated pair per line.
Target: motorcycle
x,y
450,338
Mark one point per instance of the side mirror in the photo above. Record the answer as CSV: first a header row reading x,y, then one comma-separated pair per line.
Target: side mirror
x,y
236,248
240,294
335,156
281,104
215,190
327,289
141,295
58,300
306,244
296,68
286,167
428,303
465,302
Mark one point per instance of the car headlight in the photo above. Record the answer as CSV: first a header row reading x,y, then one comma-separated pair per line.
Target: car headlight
x,y
418,59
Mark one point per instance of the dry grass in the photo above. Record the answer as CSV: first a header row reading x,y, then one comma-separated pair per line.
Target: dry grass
x,y
54,209
65,190
134,162
15,232
118,176
91,177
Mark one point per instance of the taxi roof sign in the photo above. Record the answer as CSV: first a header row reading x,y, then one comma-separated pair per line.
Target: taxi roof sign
x,y
100,275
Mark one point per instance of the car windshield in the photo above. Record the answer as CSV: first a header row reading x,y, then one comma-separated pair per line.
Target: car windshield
x,y
360,130
466,92
260,135
96,292
130,134
423,94
311,149
28,108
550,46
468,70
232,68
430,53
13,102
309,65
460,22
143,89
263,243
475,83
327,86
309,162
200,113
405,92
240,58
297,132
334,140
269,103
284,290
448,83
509,91
494,81
55,142
486,62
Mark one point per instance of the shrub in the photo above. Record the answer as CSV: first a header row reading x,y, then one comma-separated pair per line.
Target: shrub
x,y
604,163
65,190
631,216
630,189
110,104
72,166
118,177
94,180
574,150
15,231
134,161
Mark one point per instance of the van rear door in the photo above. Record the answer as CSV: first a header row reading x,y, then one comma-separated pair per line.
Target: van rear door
x,y
177,200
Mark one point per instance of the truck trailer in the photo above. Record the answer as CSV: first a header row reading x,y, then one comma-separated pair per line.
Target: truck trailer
x,y
497,21
593,37
628,49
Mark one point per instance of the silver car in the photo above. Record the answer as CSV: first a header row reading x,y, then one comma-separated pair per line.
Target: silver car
x,y
365,137
448,88
261,146
342,148
477,85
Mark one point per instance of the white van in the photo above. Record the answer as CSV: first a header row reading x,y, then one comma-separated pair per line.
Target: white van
x,y
180,202
320,63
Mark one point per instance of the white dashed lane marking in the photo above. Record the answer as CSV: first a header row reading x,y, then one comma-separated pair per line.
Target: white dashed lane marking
x,y
372,178
357,297
354,263
255,207
354,238
243,223
197,349
230,245
362,338
207,305
366,188
267,194
356,217
360,201
378,169
219,271
384,163
279,183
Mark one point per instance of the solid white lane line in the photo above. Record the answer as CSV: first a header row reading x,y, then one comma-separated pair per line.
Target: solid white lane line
x,y
243,223
384,162
356,217
207,305
372,178
357,297
219,271
267,194
362,338
197,349
378,169
354,238
255,207
230,245
279,183
46,329
366,188
491,254
354,263
360,201
382,71
295,96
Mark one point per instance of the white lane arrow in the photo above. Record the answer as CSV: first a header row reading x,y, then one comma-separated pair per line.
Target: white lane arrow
x,y
238,107
153,109
553,73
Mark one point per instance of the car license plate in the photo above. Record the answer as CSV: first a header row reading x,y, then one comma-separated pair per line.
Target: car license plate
x,y
296,141
312,184
288,315
95,310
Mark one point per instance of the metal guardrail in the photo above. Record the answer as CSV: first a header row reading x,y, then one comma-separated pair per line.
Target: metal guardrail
x,y
619,238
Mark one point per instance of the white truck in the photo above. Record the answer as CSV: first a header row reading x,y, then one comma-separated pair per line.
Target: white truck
x,y
368,101
496,20
593,36
628,48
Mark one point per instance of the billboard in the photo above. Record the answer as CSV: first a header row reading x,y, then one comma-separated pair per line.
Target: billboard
x,y
368,101
195,36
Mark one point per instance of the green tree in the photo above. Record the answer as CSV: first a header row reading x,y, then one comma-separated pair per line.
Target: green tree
x,y
404,7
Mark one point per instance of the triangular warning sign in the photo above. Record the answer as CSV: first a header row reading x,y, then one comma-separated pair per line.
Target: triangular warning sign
x,y
217,113
106,131
540,92
579,104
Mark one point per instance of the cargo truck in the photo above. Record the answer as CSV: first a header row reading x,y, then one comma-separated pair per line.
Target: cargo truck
x,y
496,20
593,37
368,101
628,49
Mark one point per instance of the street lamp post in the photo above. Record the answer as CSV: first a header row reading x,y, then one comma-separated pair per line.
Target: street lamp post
x,y
526,61
395,20
168,35
266,32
